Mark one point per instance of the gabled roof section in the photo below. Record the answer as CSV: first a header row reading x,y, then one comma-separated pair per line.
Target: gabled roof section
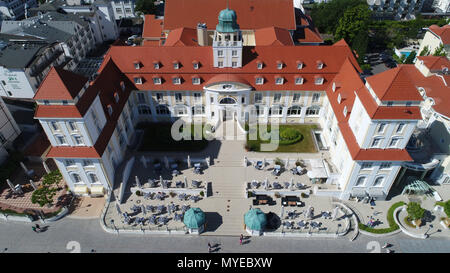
x,y
182,37
152,27
251,15
394,85
60,84
434,63
273,36
443,32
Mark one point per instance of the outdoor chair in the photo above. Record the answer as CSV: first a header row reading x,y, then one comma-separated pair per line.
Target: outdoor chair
x,y
259,165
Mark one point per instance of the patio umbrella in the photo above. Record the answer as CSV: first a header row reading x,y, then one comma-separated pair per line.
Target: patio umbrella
x,y
138,183
335,213
166,162
189,161
143,209
11,185
33,185
24,167
264,163
160,180
282,211
292,183
186,182
47,169
194,218
255,220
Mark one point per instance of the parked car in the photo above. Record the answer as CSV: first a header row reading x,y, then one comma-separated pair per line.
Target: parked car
x,y
291,201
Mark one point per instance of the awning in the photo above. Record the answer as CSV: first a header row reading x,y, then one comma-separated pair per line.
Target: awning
x,y
318,169
80,189
98,190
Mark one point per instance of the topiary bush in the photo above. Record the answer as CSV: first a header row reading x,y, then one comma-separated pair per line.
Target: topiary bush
x,y
415,211
289,136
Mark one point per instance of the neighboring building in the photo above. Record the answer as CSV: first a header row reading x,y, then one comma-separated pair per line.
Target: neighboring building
x,y
123,8
441,6
435,37
16,9
396,9
211,75
9,131
51,39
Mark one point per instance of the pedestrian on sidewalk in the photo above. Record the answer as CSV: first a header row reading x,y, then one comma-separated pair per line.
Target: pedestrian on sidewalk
x,y
34,228
38,228
240,239
209,248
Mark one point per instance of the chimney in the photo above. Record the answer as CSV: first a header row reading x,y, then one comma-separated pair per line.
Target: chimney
x,y
202,34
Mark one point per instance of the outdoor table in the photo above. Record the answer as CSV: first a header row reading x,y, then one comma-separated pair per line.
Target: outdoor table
x,y
152,219
301,224
288,224
286,185
135,208
276,185
162,220
178,217
160,208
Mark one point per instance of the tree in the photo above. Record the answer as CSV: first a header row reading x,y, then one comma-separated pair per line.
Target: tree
x,y
44,195
360,43
415,211
410,58
440,51
425,51
354,22
145,6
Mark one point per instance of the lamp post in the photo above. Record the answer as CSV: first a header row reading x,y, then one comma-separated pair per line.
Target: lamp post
x,y
337,231
112,223
429,228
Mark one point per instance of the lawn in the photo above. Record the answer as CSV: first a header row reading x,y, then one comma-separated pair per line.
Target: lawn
x,y
304,145
157,137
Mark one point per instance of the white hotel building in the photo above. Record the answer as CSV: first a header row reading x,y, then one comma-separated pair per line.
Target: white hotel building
x,y
365,125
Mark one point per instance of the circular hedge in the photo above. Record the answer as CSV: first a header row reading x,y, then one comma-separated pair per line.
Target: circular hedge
x,y
290,136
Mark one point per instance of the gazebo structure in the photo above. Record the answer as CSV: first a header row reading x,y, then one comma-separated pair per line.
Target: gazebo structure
x,y
255,221
194,219
417,186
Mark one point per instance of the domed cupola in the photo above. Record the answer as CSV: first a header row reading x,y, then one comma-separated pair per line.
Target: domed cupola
x,y
227,21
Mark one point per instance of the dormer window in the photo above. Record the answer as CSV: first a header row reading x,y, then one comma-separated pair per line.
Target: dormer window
x,y
137,65
176,65
445,70
110,110
280,65
195,64
259,65
298,80
279,80
299,65
334,87
137,80
345,111
259,80
319,64
176,80
156,80
156,65
116,97
318,80
195,80
339,99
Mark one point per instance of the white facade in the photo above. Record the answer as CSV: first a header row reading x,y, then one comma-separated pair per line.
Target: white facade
x,y
432,41
15,9
441,5
123,8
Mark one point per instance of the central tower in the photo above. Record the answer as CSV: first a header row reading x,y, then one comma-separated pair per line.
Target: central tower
x,y
227,42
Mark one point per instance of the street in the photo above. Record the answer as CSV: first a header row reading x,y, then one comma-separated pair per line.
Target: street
x,y
74,235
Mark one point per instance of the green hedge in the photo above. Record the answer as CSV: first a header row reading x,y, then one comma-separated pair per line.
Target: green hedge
x,y
12,212
390,218
446,206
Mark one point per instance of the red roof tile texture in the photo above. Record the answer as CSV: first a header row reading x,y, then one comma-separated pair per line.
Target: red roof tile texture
x,y
182,37
443,32
152,27
273,36
434,63
250,14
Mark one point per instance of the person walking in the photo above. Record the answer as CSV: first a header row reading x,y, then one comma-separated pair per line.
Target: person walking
x,y
240,239
38,228
34,228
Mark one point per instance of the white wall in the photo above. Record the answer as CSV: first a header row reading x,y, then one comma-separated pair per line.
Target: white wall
x,y
16,82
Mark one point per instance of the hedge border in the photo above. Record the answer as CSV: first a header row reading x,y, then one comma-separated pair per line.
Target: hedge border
x,y
390,218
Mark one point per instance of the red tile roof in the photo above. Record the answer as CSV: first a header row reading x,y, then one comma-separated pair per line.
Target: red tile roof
x,y
307,35
153,27
182,37
60,84
273,36
250,14
226,78
434,63
395,85
443,32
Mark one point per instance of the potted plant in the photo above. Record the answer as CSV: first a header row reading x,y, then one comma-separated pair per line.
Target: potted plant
x,y
172,194
249,194
202,193
277,195
415,213
138,193
304,195
278,161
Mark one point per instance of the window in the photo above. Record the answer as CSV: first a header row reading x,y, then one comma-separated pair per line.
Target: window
x,y
196,65
258,97
197,97
141,97
78,140
176,80
110,110
277,97
385,165
88,163
279,65
259,65
137,65
233,64
361,181
64,102
93,178
72,126
61,140
54,125
299,65
339,98
296,97
376,142
118,10
70,162
408,104
319,65
220,64
394,142
294,110
313,111
220,53
381,127
122,85
227,100
2,138
390,103
259,80
76,178
128,10
366,165
279,80
378,181
157,80
196,80
162,110
275,110
257,110
298,80
144,110
46,102
243,100
159,97
198,110
316,97
138,80
176,65
211,99
178,97
400,127
156,65
333,87
234,53
318,81
180,110
116,97
345,111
